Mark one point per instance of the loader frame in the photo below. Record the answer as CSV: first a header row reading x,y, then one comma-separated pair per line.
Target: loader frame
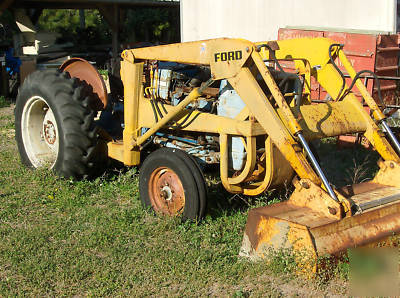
x,y
287,130
282,124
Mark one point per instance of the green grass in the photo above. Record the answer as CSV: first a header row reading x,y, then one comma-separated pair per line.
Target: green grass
x,y
4,102
61,237
104,73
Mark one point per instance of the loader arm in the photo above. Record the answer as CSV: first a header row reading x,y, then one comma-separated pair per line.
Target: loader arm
x,y
232,59
316,52
316,218
240,61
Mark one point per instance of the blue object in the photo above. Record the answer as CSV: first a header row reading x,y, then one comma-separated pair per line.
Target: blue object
x,y
229,105
12,63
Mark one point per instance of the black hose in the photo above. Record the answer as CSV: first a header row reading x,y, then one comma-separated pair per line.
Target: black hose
x,y
150,140
272,53
180,125
337,68
283,82
163,107
158,109
204,86
298,85
356,77
154,110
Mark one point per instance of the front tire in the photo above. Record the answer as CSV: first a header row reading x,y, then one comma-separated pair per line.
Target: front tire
x,y
171,184
54,125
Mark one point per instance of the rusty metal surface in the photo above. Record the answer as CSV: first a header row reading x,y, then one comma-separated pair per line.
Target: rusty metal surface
x,y
81,69
380,193
330,119
355,189
166,192
208,92
358,230
386,64
302,229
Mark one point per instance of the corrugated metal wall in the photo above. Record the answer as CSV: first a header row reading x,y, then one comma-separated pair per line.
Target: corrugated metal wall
x,y
258,20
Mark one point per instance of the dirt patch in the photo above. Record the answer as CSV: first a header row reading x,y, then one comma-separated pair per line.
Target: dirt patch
x,y
7,110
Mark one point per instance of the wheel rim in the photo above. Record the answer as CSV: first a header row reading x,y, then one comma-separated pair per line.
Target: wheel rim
x,y
40,133
167,195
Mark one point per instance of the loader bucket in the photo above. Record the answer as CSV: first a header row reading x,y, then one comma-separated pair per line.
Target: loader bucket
x,y
314,228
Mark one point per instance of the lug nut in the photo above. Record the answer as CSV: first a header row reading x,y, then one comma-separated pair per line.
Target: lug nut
x,y
332,211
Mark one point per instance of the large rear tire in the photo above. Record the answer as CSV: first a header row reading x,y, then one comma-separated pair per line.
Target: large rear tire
x,y
54,125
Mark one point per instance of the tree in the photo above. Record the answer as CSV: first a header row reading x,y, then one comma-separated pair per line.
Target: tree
x,y
67,22
140,24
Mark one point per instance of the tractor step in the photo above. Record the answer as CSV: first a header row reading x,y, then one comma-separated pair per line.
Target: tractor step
x,y
366,196
376,198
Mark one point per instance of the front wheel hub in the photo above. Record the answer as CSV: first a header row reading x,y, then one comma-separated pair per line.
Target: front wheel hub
x,y
167,195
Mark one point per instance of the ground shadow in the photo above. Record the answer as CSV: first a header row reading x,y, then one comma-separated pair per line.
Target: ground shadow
x,y
342,166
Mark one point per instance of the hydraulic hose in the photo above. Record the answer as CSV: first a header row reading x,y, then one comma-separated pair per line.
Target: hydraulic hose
x,y
298,85
272,53
337,68
376,79
154,110
285,76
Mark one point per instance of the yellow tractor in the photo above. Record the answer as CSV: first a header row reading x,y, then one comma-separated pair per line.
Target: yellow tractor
x,y
227,102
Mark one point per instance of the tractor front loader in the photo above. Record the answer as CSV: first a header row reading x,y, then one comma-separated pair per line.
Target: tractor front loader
x,y
229,101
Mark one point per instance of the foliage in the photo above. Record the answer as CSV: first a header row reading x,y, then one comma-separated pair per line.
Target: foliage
x,y
4,102
67,23
140,24
149,24
104,73
7,27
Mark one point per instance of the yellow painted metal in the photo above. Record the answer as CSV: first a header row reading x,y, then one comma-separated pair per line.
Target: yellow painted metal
x,y
203,122
255,99
131,75
280,124
314,50
223,163
310,234
290,120
353,118
116,150
268,176
329,119
287,225
389,173
310,222
277,171
207,52
273,175
318,121
243,115
314,121
377,113
174,114
250,162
